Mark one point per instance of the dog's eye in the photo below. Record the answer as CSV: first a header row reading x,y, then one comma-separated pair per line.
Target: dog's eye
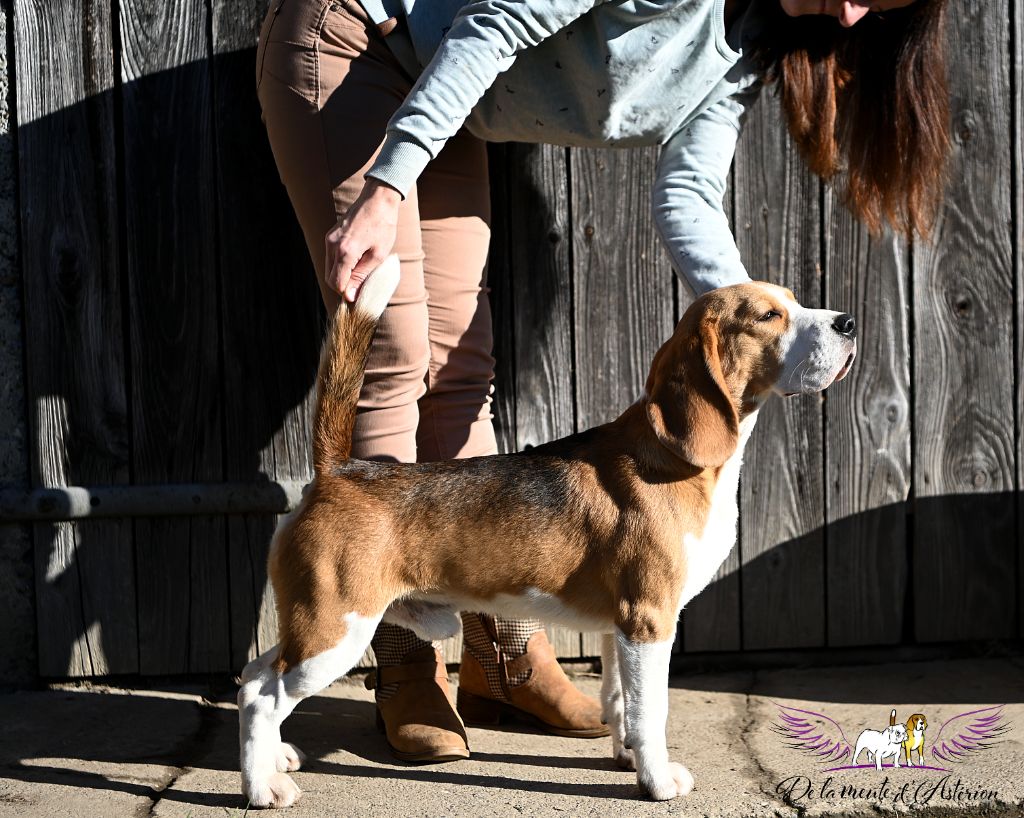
x,y
771,315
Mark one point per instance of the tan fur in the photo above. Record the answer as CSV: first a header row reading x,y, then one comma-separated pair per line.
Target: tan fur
x,y
912,743
595,520
339,380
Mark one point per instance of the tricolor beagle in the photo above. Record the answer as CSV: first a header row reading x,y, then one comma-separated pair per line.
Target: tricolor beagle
x,y
916,725
611,530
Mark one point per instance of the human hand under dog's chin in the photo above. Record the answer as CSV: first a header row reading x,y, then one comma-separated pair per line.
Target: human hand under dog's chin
x,y
363,239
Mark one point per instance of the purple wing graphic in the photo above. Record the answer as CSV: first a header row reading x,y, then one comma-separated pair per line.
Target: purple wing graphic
x,y
969,732
812,733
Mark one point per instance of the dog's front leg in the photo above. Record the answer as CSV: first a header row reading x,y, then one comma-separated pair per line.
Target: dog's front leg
x,y
612,706
644,669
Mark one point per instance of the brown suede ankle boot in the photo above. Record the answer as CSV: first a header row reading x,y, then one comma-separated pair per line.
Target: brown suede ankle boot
x,y
547,698
419,717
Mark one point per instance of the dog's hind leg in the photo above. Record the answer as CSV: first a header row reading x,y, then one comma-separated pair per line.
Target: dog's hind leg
x,y
612,707
268,695
644,670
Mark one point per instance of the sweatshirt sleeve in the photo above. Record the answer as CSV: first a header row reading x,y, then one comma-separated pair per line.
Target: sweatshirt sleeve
x,y
482,42
687,196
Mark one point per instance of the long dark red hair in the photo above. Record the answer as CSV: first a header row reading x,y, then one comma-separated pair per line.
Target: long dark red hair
x,y
867,106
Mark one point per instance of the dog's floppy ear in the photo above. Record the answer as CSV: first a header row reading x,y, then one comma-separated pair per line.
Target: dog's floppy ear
x,y
688,401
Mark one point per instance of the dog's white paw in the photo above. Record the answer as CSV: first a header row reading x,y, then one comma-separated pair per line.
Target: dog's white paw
x,y
289,758
673,782
624,759
278,792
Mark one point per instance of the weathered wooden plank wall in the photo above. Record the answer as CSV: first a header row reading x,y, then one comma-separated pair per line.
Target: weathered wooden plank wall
x,y
1017,73
174,328
964,376
75,348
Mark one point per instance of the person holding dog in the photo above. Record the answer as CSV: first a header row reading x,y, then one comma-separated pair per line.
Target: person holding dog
x,y
378,114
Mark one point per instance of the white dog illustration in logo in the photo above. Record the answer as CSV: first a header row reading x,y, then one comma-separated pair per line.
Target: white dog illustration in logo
x,y
882,744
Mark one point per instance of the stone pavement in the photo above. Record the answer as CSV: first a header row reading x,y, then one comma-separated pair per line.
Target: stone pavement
x,y
95,751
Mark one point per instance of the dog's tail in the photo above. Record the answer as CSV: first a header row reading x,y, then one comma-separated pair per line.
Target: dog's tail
x,y
342,362
892,718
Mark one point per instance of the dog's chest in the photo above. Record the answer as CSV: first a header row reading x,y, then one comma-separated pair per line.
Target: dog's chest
x,y
705,553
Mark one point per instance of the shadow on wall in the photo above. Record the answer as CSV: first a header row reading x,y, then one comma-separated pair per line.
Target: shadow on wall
x,y
174,326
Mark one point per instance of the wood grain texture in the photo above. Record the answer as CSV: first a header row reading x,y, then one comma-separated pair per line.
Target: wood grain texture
x,y
777,221
270,322
539,242
85,589
867,436
964,549
171,216
622,286
1018,268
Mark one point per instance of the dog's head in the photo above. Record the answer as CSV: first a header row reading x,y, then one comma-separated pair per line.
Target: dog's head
x,y
917,722
732,348
897,734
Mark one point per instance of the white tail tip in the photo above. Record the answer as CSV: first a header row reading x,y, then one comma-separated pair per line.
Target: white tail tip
x,y
378,287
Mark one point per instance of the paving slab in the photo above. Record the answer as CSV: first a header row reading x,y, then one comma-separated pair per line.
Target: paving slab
x,y
99,751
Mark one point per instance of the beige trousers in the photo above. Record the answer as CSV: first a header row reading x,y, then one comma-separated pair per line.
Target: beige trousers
x,y
328,84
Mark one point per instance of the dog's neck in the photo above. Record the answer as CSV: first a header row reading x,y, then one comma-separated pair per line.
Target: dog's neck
x,y
660,463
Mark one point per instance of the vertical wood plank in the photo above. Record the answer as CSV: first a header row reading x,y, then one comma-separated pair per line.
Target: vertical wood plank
x,y
963,380
271,320
539,241
781,493
499,280
170,207
867,437
85,588
711,622
1018,268
622,286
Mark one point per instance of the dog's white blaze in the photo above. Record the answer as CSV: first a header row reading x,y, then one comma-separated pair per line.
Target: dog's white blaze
x,y
812,351
704,554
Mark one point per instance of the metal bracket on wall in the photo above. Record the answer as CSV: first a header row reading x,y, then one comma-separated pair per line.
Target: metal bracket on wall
x,y
173,500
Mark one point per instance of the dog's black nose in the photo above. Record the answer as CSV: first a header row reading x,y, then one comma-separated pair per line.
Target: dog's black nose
x,y
845,325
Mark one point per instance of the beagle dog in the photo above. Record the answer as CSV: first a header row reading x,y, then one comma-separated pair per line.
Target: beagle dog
x,y
916,725
611,530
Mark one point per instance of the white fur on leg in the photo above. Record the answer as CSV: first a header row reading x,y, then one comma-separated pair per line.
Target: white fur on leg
x,y
378,287
612,707
267,698
644,670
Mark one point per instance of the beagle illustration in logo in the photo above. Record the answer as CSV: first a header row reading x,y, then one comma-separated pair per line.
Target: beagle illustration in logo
x,y
882,744
916,725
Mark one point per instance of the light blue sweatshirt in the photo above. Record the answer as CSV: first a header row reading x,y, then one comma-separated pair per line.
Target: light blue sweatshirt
x,y
585,72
